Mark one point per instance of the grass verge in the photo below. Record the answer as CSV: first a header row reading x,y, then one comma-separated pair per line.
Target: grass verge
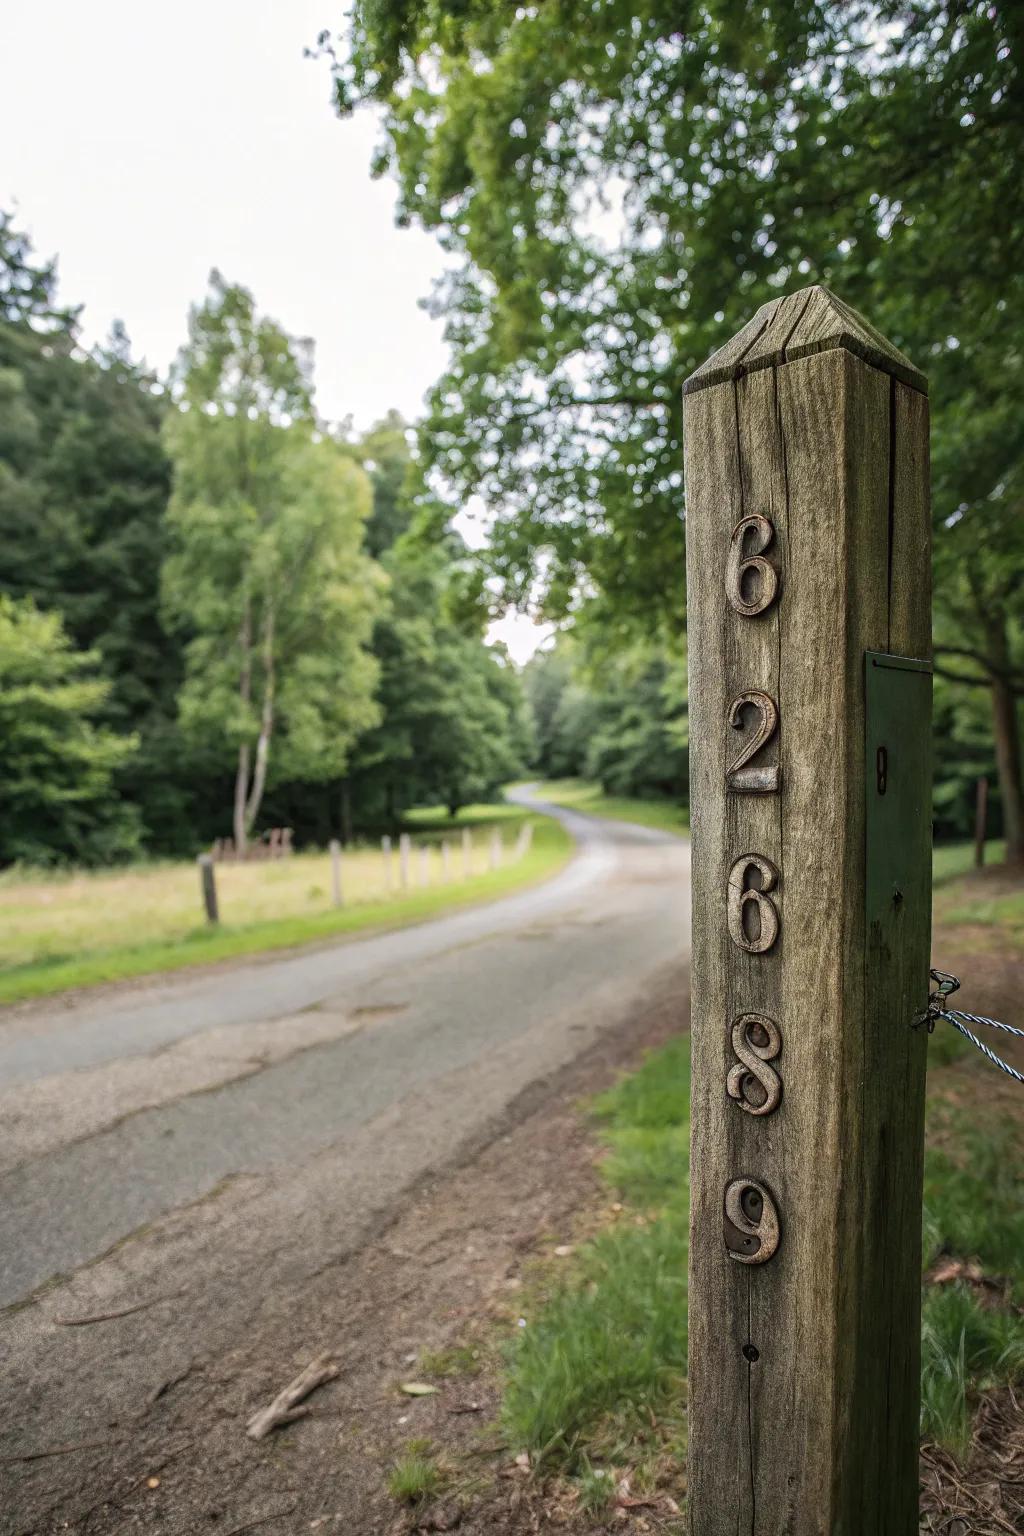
x,y
582,795
203,945
598,1373
596,1379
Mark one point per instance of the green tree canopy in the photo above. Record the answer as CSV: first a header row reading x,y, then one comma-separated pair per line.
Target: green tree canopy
x,y
622,185
617,716
57,796
266,572
453,724
84,482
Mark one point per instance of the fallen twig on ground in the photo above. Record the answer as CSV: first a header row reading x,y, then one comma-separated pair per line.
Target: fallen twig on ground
x,y
251,1525
283,1409
166,1385
106,1317
60,1450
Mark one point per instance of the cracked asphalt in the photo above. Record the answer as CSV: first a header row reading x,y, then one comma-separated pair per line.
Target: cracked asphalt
x,y
227,1135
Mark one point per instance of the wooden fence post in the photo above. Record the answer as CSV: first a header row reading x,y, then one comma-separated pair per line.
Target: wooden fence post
x,y
446,861
336,891
389,874
467,853
403,860
809,633
208,886
980,822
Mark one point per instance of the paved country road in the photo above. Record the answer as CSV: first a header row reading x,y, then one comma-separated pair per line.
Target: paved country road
x,y
223,1137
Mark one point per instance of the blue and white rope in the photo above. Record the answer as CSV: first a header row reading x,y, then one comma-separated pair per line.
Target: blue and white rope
x,y
945,985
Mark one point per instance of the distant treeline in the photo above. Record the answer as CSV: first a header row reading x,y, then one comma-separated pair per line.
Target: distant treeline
x,y
215,615
620,717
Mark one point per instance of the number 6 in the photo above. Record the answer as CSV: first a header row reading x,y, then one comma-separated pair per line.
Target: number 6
x,y
741,895
739,564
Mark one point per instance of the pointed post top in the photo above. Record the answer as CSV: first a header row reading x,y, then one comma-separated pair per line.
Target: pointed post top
x,y
811,320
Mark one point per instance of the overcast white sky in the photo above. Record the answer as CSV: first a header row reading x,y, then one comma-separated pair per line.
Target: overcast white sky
x,y
144,145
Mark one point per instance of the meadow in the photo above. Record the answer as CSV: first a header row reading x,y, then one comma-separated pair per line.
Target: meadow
x,y
60,930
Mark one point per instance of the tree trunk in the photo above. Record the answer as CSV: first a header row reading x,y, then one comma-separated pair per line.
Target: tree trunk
x,y
1006,729
1005,724
241,790
242,773
259,777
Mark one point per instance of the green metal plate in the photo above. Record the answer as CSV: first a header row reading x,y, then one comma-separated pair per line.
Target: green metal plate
x,y
898,766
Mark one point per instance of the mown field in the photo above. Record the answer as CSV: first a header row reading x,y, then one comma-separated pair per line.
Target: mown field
x,y
64,930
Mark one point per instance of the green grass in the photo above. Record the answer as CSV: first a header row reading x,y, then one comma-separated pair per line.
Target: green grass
x,y
952,859
596,1488
1004,911
456,1360
973,1210
990,898
610,1344
204,945
434,818
597,1376
417,1474
581,795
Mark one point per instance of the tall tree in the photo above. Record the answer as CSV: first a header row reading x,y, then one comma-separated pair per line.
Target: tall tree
x,y
266,571
57,801
453,726
614,714
625,183
84,482
28,286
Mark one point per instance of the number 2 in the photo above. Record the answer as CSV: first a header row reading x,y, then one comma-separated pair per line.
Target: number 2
x,y
762,780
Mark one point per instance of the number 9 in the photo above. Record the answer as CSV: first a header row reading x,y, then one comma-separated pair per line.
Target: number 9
x,y
739,564
751,1222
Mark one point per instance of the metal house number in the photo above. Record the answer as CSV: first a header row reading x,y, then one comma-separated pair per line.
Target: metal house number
x,y
750,1218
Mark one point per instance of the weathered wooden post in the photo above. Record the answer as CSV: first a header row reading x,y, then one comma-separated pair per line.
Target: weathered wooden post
x,y
336,891
809,630
446,860
467,853
208,886
403,860
389,874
